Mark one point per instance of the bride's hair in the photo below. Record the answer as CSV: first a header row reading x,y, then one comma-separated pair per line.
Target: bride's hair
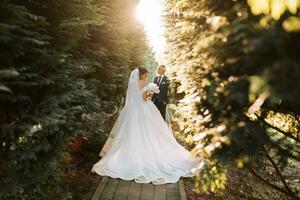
x,y
142,71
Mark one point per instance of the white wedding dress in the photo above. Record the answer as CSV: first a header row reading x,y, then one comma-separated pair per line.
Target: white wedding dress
x,y
144,148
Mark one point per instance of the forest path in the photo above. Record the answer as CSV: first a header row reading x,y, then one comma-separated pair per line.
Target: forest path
x,y
118,189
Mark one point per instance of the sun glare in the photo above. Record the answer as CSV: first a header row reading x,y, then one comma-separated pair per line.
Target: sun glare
x,y
149,13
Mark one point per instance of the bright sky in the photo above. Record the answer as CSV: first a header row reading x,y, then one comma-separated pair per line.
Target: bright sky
x,y
149,13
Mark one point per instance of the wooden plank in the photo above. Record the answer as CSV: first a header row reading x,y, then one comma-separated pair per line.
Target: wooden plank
x,y
172,186
172,191
122,190
172,197
181,190
100,188
147,191
109,189
118,189
160,192
134,192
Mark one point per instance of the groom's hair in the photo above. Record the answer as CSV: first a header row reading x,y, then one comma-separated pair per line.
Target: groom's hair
x,y
142,71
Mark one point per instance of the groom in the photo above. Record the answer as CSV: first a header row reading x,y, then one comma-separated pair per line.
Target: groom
x,y
161,99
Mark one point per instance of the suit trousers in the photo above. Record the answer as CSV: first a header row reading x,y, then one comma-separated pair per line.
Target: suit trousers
x,y
161,107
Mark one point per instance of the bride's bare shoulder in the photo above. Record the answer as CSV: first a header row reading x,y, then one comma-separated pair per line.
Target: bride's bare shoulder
x,y
142,84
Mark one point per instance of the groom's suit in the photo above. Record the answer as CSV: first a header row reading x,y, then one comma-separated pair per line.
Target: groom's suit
x,y
161,99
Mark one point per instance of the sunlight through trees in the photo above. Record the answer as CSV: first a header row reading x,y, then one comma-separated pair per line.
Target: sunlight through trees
x,y
234,70
237,84
61,63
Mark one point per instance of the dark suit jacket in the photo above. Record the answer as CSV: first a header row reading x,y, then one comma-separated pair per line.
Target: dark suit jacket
x,y
162,96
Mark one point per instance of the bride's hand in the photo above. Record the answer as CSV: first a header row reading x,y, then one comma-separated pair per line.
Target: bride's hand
x,y
147,95
150,94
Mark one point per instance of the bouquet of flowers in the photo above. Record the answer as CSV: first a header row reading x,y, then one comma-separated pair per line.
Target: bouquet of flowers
x,y
151,88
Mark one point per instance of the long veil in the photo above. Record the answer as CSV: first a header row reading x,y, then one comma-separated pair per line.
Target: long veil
x,y
133,88
132,99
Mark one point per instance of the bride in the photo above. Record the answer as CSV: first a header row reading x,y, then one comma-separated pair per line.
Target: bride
x,y
143,147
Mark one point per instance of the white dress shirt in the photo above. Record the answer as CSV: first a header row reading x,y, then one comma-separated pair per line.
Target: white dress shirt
x,y
160,79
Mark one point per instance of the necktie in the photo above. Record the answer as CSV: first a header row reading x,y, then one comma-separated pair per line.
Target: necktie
x,y
159,80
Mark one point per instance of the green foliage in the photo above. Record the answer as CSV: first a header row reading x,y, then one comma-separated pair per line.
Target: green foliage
x,y
234,73
60,61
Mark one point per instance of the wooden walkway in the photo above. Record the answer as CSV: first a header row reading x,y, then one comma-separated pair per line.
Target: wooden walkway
x,y
118,189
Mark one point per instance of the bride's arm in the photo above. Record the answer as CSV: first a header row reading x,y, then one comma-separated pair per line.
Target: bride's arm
x,y
146,95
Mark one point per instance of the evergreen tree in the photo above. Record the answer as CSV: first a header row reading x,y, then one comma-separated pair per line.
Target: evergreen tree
x,y
237,76
60,61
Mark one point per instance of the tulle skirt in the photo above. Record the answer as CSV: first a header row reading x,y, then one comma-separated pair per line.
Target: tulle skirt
x,y
142,148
